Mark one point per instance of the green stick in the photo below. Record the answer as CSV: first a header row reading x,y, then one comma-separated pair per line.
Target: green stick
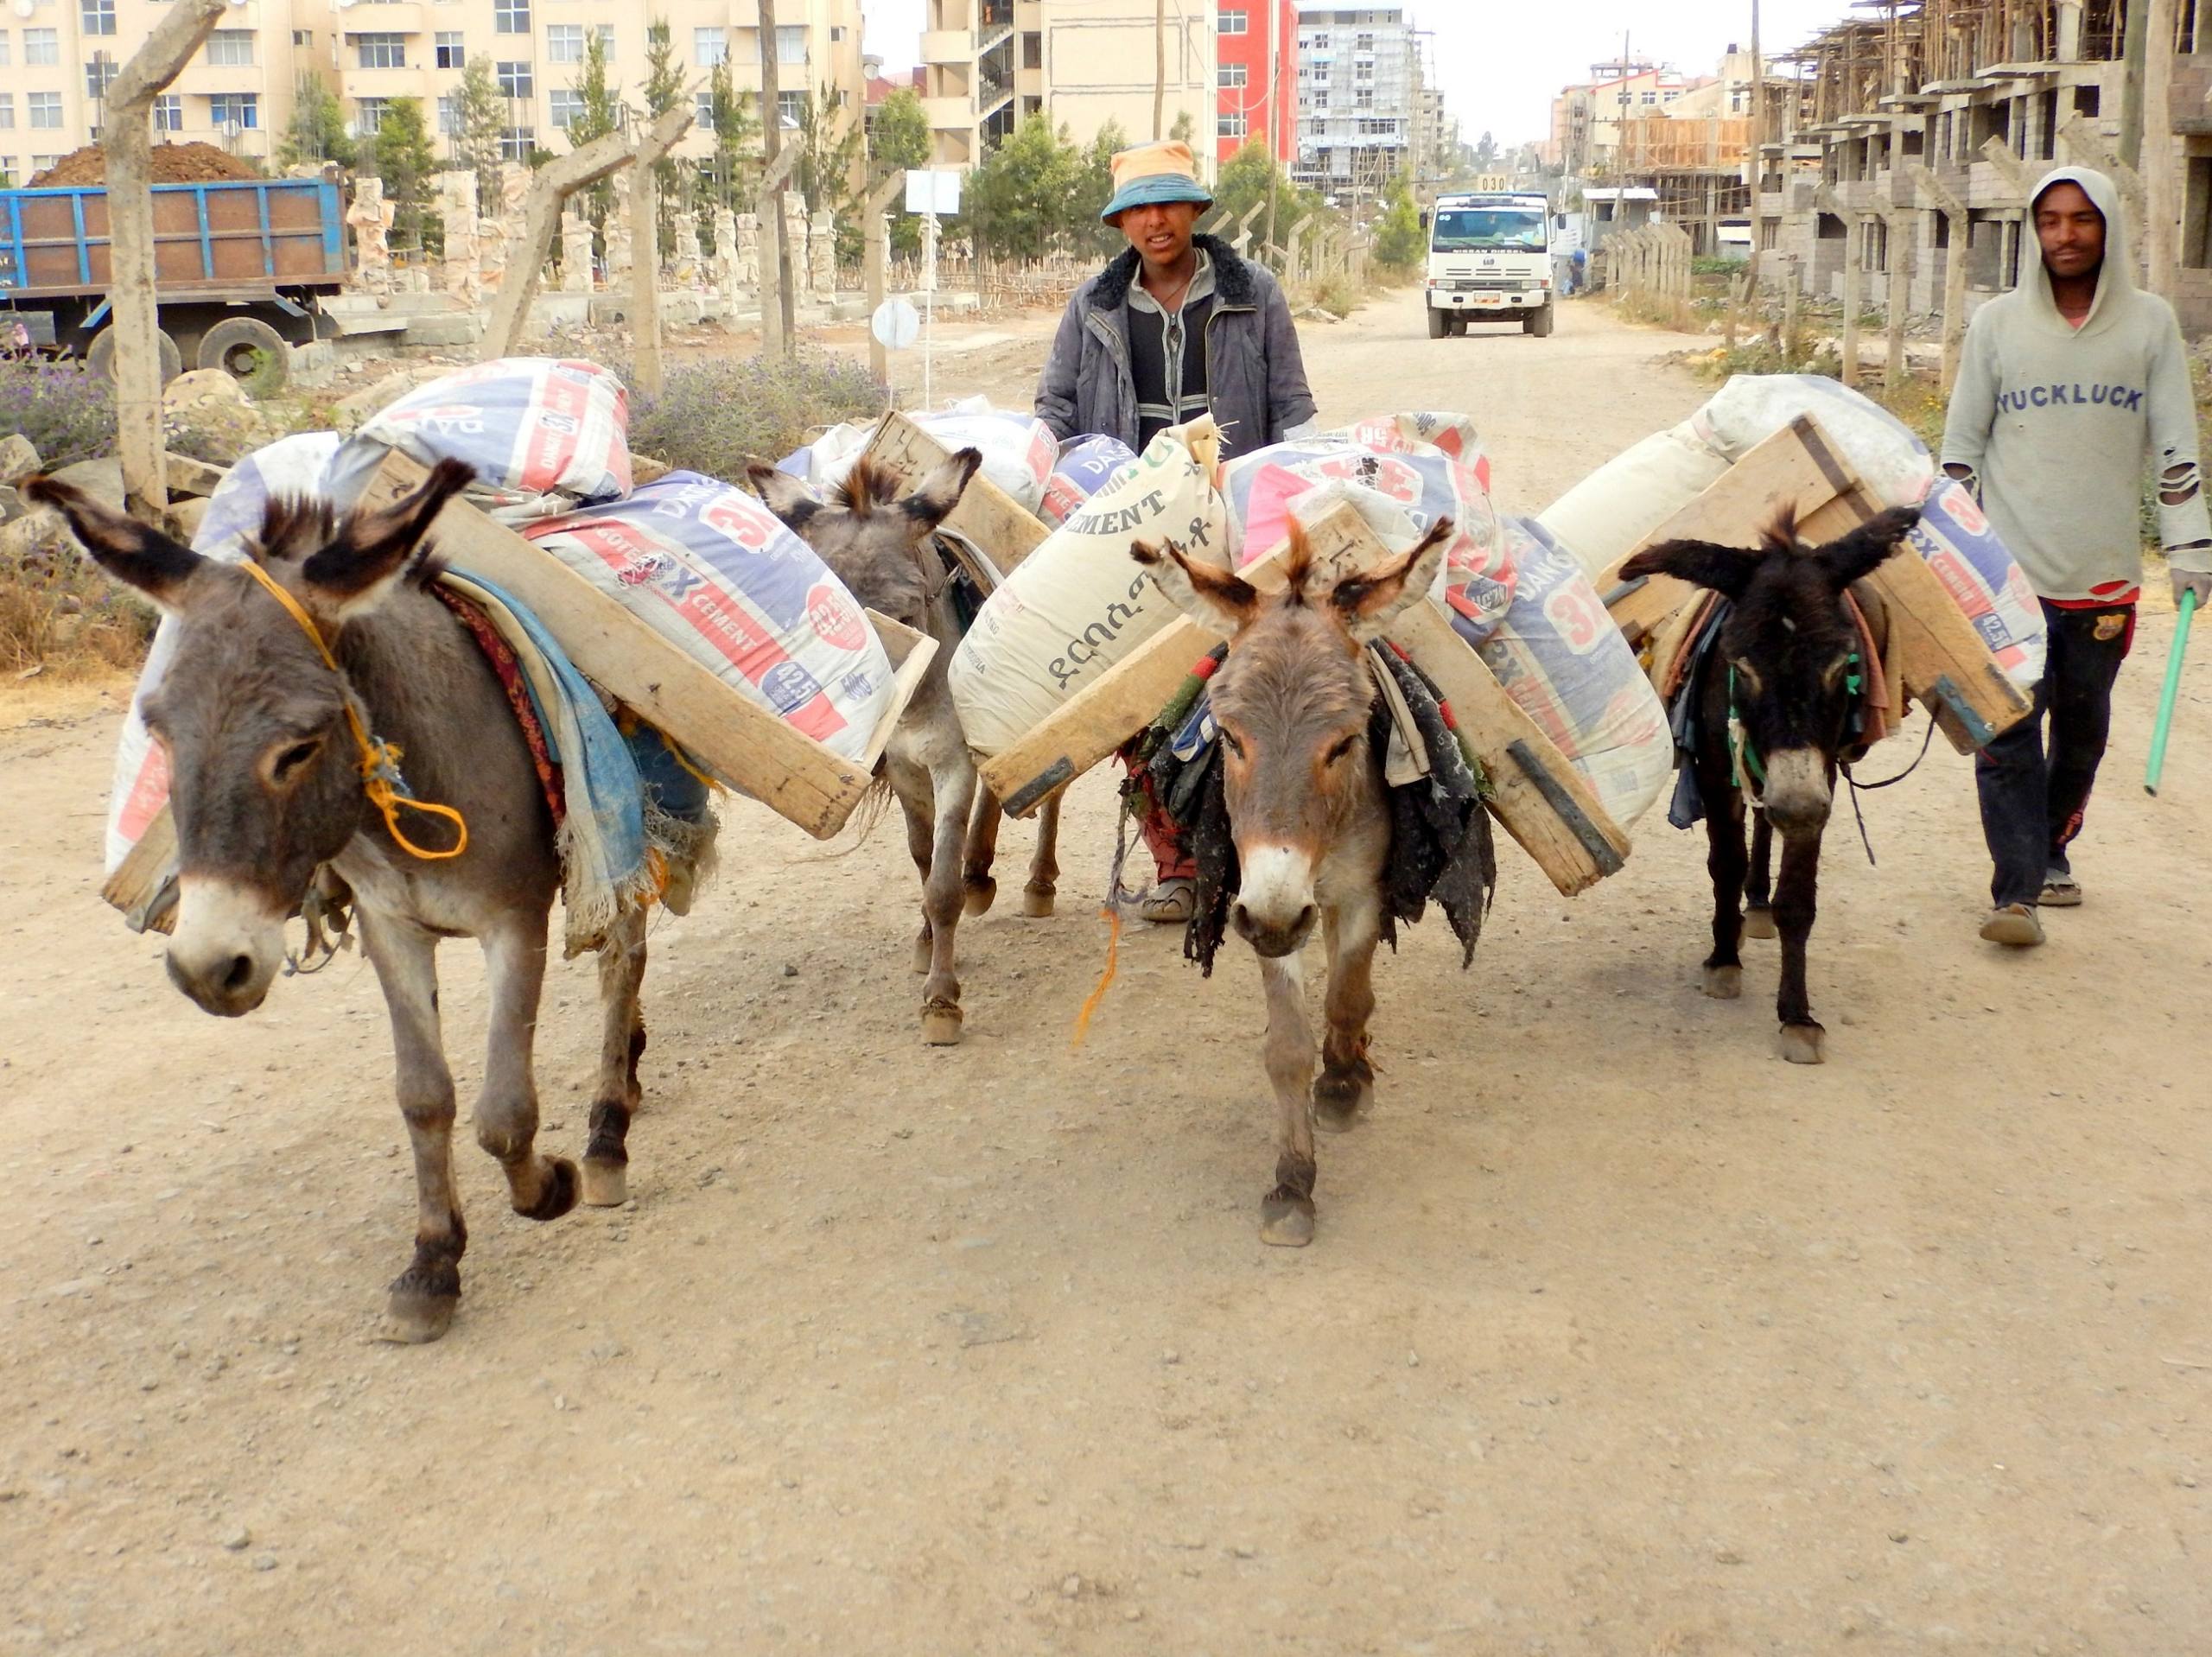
x,y
2164,727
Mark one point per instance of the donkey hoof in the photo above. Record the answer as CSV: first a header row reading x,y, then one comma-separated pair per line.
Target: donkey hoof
x,y
558,1195
1802,1044
422,1306
941,1024
607,1184
1286,1220
1340,1101
1724,983
1037,901
982,891
1758,922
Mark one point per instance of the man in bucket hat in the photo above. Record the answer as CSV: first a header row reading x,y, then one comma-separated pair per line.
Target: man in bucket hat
x,y
1175,328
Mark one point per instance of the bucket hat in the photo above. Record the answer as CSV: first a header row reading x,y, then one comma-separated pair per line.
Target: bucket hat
x,y
1165,171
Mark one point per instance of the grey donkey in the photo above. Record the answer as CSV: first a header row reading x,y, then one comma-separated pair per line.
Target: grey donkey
x,y
266,791
878,544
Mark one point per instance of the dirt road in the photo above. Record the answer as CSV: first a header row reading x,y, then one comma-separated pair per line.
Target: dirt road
x,y
1619,1336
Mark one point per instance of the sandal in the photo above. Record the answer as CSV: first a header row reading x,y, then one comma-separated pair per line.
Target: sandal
x,y
2060,891
1170,902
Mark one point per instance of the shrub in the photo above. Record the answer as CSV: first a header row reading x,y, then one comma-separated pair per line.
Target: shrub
x,y
717,414
58,611
68,415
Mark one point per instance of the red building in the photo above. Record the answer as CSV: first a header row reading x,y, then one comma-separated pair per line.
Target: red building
x,y
1246,111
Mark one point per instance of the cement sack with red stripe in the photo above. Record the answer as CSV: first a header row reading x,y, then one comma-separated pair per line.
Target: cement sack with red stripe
x,y
713,572
545,434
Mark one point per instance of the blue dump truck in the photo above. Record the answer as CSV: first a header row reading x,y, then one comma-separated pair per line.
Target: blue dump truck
x,y
240,268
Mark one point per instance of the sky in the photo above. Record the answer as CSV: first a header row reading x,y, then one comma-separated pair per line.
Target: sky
x,y
1501,61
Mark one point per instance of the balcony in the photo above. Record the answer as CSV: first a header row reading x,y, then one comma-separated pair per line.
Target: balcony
x,y
404,18
950,114
949,46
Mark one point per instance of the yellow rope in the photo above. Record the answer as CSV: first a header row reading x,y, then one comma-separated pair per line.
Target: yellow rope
x,y
1113,918
379,758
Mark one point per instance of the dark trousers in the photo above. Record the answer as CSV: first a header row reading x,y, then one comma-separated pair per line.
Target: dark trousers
x,y
2035,791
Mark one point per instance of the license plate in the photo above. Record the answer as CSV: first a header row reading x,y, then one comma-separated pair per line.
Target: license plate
x,y
1490,299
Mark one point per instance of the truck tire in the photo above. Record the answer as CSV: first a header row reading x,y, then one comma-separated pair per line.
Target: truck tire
x,y
250,351
1539,321
1439,323
99,356
1460,320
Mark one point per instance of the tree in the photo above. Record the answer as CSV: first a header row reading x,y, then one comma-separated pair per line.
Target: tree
x,y
402,156
317,131
1398,243
1243,184
1021,200
1185,129
664,90
829,148
480,123
902,141
732,174
600,114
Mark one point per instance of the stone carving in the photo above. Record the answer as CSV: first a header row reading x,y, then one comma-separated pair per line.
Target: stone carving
x,y
725,266
748,252
456,204
795,238
822,255
620,253
575,251
371,218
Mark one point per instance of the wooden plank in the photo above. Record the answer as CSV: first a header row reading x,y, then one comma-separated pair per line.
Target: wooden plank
x,y
787,771
138,886
1541,801
189,477
1006,530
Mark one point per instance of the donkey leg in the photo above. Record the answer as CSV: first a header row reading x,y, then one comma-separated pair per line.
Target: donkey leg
x,y
953,783
422,1298
911,783
541,1187
1796,901
1044,863
1286,1212
1759,892
1725,861
1346,1087
621,1042
981,851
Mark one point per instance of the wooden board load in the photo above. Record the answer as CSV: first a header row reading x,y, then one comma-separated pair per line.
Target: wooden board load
x,y
1007,532
1942,663
1540,799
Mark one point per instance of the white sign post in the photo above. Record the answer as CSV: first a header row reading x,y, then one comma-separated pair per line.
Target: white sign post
x,y
933,194
895,325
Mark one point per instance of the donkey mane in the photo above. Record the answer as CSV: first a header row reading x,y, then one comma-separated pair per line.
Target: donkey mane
x,y
294,528
869,486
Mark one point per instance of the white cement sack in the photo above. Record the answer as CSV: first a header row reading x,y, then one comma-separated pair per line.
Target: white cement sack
x,y
1613,511
1955,539
1078,604
1019,450
291,465
1889,459
545,435
713,572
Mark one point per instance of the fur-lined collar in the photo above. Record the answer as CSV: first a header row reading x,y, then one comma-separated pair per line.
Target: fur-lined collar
x,y
1233,280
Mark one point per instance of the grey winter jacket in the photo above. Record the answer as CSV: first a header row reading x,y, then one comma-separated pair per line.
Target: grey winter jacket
x,y
1255,379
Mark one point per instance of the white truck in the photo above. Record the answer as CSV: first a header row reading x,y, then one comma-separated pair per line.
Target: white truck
x,y
1490,257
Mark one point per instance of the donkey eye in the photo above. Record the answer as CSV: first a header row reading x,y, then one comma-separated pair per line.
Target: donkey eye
x,y
1339,748
287,763
1235,743
1747,673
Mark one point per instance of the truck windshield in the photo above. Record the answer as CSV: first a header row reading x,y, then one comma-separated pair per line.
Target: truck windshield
x,y
1460,230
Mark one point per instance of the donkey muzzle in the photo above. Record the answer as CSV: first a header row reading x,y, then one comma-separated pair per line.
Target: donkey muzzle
x,y
228,944
1274,911
1797,795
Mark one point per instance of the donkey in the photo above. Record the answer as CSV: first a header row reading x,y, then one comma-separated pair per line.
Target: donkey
x,y
878,544
1307,813
266,788
1773,702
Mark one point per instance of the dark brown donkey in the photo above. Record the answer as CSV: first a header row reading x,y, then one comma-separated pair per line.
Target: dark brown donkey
x,y
877,544
1306,812
1772,711
265,787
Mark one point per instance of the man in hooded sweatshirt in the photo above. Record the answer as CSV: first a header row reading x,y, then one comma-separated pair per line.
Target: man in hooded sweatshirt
x,y
2069,385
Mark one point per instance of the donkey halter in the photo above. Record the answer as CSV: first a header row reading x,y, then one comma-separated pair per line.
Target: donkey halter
x,y
380,777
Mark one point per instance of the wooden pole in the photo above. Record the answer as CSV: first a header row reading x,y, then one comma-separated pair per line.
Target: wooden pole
x,y
1893,366
647,376
1955,297
128,145
876,236
2161,198
2133,75
777,332
1159,66
1789,312
1854,271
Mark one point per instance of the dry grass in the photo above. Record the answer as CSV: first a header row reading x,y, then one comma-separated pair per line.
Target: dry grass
x,y
62,619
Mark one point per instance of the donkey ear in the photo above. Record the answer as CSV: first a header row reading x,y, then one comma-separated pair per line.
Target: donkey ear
x,y
1370,601
1724,571
1212,597
787,497
370,552
1857,556
139,557
940,491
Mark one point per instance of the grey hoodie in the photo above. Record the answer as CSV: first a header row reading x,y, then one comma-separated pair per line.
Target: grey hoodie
x,y
2056,422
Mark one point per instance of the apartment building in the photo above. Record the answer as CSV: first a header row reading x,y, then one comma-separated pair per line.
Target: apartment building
x,y
58,56
389,49
1588,117
1256,52
1358,71
967,77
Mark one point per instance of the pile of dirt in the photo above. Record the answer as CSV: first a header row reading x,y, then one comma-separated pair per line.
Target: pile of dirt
x,y
173,163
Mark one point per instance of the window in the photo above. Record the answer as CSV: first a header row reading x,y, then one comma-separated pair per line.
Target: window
x,y
567,107
450,54
515,80
241,109
1230,22
1647,96
1231,126
1233,74
99,74
232,49
703,115
3,48
606,42
99,16
836,33
1363,98
516,143
790,108
45,111
511,16
790,42
303,37
709,47
382,51
7,111
449,116
42,47
369,114
564,43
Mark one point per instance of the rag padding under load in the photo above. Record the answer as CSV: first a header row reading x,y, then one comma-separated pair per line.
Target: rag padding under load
x,y
545,434
1890,460
1955,539
291,467
1617,508
717,574
1079,603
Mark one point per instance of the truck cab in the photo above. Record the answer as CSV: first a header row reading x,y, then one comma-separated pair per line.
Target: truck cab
x,y
1489,258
